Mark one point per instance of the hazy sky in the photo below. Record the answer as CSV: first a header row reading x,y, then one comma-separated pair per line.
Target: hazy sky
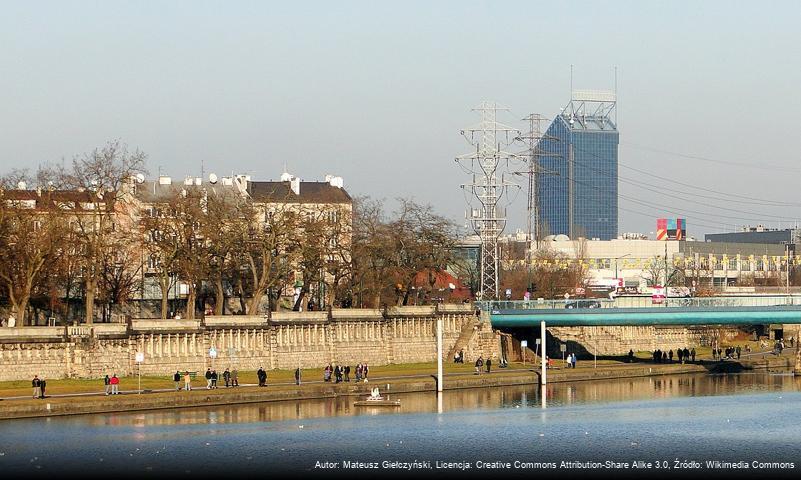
x,y
377,92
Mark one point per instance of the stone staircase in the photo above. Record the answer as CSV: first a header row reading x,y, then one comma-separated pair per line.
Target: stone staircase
x,y
464,337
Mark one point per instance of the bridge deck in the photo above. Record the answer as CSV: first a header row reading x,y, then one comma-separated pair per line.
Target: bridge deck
x,y
646,316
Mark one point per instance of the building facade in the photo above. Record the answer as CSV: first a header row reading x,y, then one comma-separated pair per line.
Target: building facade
x,y
577,183
641,263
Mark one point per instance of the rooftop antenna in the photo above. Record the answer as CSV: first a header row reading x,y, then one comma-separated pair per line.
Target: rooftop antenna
x,y
616,109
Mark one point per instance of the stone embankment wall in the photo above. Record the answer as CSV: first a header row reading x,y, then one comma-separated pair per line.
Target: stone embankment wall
x,y
284,341
618,340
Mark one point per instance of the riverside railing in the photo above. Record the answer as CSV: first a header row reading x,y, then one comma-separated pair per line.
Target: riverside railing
x,y
643,302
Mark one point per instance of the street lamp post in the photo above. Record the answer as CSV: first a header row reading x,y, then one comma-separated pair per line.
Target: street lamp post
x,y
140,357
618,258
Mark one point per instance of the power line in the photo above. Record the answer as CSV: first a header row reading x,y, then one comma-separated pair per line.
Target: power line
x,y
759,214
761,166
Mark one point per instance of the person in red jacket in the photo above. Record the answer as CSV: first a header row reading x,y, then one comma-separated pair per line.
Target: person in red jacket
x,y
115,385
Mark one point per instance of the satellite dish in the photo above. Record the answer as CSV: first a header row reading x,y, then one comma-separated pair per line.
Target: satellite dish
x,y
212,178
140,178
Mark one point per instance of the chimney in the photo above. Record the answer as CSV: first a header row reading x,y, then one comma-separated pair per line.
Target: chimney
x,y
294,184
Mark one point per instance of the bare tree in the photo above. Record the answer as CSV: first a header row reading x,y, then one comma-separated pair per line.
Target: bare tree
x,y
371,242
102,175
422,241
30,227
269,250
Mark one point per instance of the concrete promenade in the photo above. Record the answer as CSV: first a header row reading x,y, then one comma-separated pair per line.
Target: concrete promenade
x,y
129,399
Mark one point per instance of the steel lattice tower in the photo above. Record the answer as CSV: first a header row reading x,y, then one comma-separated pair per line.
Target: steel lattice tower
x,y
487,187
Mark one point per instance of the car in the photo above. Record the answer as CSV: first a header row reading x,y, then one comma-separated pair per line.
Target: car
x,y
583,304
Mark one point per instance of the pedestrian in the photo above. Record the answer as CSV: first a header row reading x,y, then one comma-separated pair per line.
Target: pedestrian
x,y
235,377
297,376
327,373
489,364
631,355
214,379
365,371
107,384
569,361
670,355
177,379
680,354
664,357
42,386
338,373
738,350
262,376
358,373
37,386
692,354
479,364
347,373
227,378
573,359
686,354
208,378
115,384
187,381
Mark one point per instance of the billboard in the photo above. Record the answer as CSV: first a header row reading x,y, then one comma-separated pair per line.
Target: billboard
x,y
671,228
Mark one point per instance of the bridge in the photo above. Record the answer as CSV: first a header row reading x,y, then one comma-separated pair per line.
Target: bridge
x,y
641,311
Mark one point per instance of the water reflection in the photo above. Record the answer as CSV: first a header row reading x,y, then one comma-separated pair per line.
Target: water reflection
x,y
552,395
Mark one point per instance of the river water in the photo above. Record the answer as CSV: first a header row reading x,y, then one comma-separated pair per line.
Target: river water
x,y
749,418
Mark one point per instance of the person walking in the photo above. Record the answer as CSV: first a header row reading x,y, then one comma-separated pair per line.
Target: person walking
x,y
37,386
631,355
177,379
227,378
347,373
680,354
115,384
187,381
365,371
479,364
358,373
262,376
489,364
573,359
42,387
692,354
297,376
208,378
107,384
235,377
738,350
327,373
214,379
670,355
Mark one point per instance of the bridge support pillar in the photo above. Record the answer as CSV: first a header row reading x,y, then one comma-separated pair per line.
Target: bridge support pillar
x,y
543,354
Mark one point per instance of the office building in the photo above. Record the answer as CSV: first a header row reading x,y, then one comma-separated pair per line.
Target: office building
x,y
577,194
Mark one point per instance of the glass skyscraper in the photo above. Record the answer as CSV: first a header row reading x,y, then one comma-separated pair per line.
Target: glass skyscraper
x,y
577,183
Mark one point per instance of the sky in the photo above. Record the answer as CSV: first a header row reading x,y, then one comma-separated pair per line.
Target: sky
x,y
377,92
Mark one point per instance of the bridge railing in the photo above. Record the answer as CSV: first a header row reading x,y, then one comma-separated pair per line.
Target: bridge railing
x,y
644,302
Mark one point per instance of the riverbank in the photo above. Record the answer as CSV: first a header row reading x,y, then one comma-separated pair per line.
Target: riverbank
x,y
130,400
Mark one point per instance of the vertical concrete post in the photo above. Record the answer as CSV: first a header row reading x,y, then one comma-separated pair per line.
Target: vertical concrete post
x,y
439,353
543,377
